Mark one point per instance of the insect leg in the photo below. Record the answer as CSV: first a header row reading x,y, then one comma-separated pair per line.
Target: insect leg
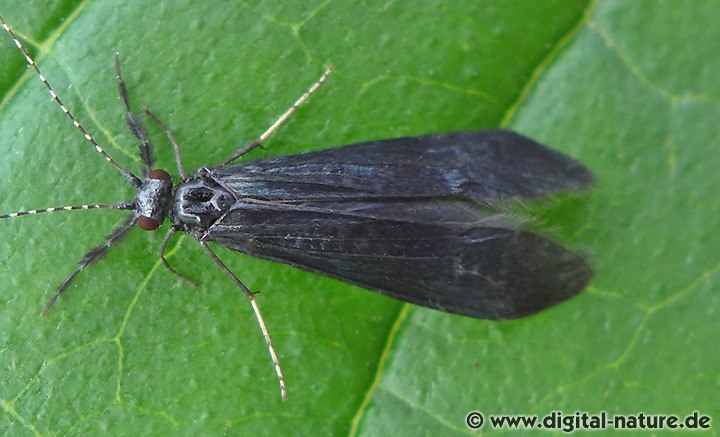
x,y
161,253
258,315
279,121
116,235
174,143
134,124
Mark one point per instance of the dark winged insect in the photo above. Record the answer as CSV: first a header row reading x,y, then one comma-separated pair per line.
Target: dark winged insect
x,y
411,218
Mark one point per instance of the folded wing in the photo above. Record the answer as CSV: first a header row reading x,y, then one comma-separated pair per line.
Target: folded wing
x,y
478,166
412,219
457,266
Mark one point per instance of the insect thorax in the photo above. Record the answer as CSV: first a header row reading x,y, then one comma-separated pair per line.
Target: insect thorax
x,y
199,202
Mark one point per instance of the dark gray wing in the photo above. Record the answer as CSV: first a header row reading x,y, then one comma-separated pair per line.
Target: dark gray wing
x,y
479,166
437,254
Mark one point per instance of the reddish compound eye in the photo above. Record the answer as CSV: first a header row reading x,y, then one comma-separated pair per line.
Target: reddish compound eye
x,y
159,174
148,223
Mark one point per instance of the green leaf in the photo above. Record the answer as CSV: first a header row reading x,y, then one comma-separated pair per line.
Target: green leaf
x,y
629,88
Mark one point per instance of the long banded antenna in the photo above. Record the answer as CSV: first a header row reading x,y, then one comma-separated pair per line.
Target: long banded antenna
x,y
121,205
128,174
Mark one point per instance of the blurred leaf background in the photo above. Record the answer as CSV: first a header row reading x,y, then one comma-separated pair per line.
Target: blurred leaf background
x,y
629,88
